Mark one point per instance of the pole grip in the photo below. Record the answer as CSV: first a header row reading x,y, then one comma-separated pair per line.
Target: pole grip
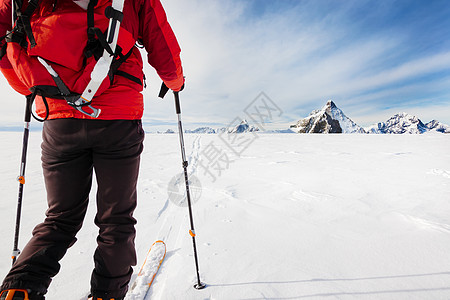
x,y
163,91
28,107
177,102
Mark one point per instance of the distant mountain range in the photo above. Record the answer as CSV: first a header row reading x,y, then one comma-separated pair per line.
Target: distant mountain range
x,y
331,119
243,127
406,123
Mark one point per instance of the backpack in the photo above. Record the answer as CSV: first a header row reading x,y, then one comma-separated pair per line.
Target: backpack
x,y
51,65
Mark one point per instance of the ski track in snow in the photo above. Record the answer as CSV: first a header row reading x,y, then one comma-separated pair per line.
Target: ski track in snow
x,y
193,159
427,224
175,220
443,173
194,156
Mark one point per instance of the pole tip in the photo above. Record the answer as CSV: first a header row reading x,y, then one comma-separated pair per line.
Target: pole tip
x,y
200,286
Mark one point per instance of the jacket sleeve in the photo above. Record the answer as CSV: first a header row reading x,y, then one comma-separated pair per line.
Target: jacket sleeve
x,y
161,44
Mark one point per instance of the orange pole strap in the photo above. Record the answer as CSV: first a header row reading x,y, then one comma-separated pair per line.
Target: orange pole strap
x,y
21,179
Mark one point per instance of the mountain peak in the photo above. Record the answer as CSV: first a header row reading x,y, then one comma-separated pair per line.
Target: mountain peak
x,y
330,104
404,115
330,119
244,126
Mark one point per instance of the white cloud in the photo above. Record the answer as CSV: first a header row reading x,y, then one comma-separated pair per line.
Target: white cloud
x,y
407,70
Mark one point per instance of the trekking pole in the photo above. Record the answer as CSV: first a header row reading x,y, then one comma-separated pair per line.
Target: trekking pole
x,y
199,285
21,177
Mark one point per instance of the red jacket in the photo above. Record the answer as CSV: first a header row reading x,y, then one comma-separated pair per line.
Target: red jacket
x,y
61,38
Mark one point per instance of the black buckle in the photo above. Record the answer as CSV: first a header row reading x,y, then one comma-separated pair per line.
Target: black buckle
x,y
115,15
112,13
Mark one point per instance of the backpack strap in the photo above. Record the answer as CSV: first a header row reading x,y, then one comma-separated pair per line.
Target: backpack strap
x,y
20,25
94,47
23,25
102,67
114,69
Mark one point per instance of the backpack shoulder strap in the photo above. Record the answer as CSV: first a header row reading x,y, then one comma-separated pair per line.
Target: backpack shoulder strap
x,y
101,69
21,25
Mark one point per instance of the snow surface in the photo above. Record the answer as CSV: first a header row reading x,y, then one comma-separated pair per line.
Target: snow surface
x,y
288,217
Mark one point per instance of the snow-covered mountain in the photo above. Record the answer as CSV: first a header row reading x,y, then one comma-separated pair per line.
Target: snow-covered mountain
x,y
243,127
207,130
405,123
435,125
168,131
329,119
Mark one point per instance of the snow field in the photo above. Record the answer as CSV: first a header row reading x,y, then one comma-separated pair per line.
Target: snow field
x,y
293,217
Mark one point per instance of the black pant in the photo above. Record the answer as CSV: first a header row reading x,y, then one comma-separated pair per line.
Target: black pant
x,y
71,150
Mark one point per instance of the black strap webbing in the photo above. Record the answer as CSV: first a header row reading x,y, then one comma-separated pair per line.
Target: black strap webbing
x,y
24,19
3,50
92,46
90,15
101,39
129,76
114,69
23,24
31,98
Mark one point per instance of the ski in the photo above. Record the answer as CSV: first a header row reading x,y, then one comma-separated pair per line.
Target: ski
x,y
147,273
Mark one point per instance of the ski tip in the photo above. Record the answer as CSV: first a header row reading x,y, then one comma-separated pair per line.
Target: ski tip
x,y
200,286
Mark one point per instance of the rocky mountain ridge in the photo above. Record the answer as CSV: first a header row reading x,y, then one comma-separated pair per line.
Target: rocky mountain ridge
x,y
331,119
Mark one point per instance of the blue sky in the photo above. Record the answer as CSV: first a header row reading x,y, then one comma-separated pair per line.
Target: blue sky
x,y
372,58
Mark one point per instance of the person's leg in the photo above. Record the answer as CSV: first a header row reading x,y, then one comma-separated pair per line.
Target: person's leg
x,y
67,168
116,165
